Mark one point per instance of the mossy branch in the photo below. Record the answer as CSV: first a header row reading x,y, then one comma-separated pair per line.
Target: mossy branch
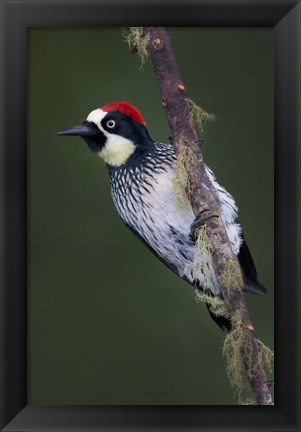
x,y
247,359
137,42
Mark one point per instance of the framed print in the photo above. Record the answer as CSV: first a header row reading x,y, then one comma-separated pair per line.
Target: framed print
x,y
126,356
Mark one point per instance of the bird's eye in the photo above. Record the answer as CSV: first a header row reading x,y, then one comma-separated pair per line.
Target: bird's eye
x,y
111,124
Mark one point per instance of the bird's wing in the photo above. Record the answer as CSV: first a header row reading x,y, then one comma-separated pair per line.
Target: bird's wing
x,y
222,322
162,259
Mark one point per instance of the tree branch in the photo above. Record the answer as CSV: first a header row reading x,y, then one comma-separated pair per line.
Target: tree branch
x,y
175,100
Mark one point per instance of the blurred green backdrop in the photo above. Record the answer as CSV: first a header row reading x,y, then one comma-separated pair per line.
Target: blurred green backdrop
x,y
107,322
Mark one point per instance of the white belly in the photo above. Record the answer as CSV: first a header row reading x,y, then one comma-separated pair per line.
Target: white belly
x,y
165,226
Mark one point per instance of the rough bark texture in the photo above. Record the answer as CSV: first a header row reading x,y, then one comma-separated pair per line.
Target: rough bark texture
x,y
174,100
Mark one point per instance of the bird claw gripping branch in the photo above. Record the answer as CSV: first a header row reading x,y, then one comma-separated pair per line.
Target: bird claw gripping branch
x,y
200,220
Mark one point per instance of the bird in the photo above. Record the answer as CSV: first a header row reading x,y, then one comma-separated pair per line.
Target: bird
x,y
142,173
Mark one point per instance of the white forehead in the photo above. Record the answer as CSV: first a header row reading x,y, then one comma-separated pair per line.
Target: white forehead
x,y
96,116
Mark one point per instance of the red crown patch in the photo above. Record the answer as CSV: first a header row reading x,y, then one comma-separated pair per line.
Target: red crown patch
x,y
125,108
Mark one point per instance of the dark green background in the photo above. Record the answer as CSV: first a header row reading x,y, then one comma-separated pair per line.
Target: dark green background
x,y
108,323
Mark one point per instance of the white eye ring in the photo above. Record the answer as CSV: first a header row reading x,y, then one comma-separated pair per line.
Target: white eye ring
x,y
111,123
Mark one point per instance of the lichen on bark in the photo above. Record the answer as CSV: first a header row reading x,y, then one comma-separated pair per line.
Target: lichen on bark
x,y
244,354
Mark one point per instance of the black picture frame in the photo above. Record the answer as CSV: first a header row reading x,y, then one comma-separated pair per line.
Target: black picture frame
x,y
16,17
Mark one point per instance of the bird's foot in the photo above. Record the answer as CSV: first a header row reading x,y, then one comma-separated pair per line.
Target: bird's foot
x,y
199,221
269,383
200,142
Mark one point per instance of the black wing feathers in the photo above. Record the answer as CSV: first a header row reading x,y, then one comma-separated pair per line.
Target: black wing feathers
x,y
249,270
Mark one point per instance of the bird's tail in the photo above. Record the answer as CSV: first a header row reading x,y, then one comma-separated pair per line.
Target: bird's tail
x,y
249,271
255,288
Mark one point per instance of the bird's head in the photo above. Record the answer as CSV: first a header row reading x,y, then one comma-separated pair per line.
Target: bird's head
x,y
115,131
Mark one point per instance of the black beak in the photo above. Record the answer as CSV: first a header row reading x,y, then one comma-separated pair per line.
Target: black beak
x,y
85,129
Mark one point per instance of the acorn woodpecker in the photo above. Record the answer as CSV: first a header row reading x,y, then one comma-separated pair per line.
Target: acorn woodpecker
x,y
141,175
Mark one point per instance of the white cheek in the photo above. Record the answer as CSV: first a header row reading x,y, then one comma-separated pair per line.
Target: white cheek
x,y
117,150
